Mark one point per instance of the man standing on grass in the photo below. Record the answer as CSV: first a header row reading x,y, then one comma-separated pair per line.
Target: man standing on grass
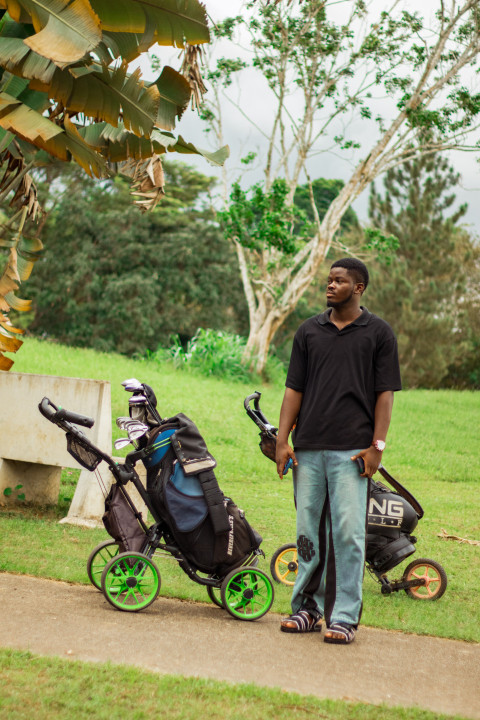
x,y
339,393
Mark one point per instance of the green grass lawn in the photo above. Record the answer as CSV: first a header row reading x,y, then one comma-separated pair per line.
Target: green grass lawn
x,y
432,449
86,691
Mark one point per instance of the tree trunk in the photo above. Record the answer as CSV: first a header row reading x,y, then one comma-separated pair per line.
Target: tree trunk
x,y
268,313
265,324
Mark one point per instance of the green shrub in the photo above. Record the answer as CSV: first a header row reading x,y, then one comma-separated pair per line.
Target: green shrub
x,y
216,353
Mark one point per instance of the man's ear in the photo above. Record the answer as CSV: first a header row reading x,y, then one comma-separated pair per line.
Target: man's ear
x,y
359,288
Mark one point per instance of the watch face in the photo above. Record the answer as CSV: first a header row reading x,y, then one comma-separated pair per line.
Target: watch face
x,y
380,445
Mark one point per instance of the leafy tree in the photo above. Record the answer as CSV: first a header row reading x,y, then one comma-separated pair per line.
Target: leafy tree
x,y
402,77
117,280
324,191
422,292
66,93
464,371
287,227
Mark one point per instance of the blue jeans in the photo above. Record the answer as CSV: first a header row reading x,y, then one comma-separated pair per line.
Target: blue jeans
x,y
331,500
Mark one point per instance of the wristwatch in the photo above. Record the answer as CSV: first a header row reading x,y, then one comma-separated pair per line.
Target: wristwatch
x,y
379,445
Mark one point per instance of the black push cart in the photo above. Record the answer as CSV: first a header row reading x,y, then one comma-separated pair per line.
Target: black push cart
x,y
125,568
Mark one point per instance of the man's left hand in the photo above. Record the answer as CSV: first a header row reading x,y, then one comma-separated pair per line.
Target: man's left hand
x,y
372,459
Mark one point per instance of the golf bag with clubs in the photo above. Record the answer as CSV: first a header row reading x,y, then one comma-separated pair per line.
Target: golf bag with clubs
x,y
209,528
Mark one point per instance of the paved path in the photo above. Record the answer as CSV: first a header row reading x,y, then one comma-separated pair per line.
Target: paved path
x,y
172,636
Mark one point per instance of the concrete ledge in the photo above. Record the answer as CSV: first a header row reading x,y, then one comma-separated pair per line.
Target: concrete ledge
x,y
40,483
32,450
88,504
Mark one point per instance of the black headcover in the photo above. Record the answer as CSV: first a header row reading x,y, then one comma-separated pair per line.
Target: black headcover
x,y
150,395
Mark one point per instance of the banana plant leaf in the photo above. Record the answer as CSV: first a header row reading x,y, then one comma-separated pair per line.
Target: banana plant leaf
x,y
29,251
106,93
125,45
7,326
175,22
6,138
17,58
117,144
175,93
61,142
5,363
17,303
102,92
18,87
10,28
64,31
12,85
22,120
9,344
23,254
83,154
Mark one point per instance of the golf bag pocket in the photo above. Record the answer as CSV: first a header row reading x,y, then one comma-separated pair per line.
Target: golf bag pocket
x,y
180,500
187,510
120,522
234,547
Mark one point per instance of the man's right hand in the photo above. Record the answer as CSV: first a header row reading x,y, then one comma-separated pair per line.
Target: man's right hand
x,y
282,456
292,401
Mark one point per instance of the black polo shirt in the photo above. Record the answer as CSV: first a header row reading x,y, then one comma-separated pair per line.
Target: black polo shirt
x,y
339,373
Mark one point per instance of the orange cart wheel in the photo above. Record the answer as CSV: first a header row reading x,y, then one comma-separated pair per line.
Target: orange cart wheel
x,y
434,575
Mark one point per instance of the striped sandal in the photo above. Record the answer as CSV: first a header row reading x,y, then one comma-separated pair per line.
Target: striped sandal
x,y
301,622
340,634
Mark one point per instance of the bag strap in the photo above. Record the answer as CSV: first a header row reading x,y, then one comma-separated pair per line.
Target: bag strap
x,y
215,502
402,491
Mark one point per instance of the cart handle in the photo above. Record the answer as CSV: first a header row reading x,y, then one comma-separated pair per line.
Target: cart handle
x,y
59,416
257,415
254,397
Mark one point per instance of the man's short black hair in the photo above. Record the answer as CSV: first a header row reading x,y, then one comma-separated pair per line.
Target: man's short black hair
x,y
355,267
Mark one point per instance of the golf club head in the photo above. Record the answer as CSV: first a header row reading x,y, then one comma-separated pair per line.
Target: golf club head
x,y
137,400
135,433
121,443
140,425
134,422
132,385
122,421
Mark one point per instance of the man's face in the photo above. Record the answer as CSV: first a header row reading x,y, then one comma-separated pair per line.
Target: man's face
x,y
341,287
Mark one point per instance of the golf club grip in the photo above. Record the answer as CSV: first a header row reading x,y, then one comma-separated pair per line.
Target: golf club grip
x,y
74,418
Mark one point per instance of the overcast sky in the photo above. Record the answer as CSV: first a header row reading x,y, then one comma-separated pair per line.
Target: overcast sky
x,y
242,137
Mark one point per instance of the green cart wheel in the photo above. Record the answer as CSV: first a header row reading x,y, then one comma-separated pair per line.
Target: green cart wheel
x,y
131,581
247,593
215,595
99,557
